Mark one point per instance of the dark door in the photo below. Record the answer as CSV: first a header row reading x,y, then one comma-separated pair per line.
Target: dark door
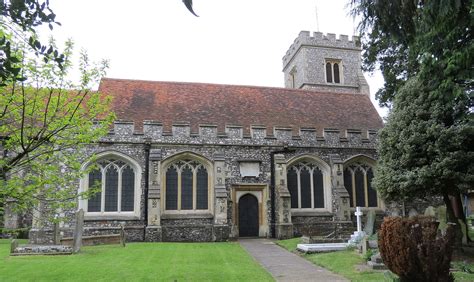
x,y
248,216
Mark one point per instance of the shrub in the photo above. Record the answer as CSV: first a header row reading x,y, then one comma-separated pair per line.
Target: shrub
x,y
413,248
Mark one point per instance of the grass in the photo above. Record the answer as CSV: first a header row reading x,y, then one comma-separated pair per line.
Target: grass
x,y
345,263
137,262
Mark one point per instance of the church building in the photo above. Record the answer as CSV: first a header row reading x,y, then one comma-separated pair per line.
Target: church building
x,y
210,162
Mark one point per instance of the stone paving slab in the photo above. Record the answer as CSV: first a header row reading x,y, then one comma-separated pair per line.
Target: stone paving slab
x,y
284,265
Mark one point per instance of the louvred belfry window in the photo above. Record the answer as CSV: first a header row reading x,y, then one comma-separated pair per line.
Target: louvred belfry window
x,y
187,186
306,186
115,181
358,183
333,71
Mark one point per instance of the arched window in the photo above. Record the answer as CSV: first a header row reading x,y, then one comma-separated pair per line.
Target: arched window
x,y
116,183
357,180
187,186
336,73
306,185
333,71
328,72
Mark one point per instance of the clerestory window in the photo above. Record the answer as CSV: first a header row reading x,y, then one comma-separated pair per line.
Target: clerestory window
x,y
186,186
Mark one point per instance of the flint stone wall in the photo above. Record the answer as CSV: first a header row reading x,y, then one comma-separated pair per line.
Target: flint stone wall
x,y
235,147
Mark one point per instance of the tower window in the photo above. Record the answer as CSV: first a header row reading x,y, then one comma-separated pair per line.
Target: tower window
x,y
333,71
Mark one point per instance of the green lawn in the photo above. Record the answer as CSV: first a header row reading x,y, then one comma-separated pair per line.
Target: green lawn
x,y
137,261
345,263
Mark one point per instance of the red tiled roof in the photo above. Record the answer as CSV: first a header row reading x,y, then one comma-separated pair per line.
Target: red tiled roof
x,y
201,103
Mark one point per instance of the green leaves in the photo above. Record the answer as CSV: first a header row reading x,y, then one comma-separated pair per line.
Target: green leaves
x,y
19,20
46,122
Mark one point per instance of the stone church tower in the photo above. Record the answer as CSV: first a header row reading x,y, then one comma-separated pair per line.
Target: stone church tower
x,y
324,63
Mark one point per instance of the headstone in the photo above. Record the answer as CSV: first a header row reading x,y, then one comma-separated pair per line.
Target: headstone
x,y
359,214
77,241
370,222
412,212
357,236
464,231
364,245
56,235
376,262
430,211
122,235
13,246
441,218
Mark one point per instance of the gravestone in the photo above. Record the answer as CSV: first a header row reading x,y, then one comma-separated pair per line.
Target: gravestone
x,y
376,262
430,211
122,235
78,231
357,236
370,222
412,212
441,218
13,246
56,235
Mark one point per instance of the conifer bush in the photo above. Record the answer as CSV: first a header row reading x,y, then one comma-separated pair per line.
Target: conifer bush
x,y
415,250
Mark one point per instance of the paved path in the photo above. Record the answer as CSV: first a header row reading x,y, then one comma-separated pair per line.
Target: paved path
x,y
286,266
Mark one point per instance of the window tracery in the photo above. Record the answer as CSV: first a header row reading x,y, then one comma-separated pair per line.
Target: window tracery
x,y
116,181
187,186
306,185
358,182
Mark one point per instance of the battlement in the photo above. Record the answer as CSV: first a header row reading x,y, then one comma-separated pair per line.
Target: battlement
x,y
321,40
124,131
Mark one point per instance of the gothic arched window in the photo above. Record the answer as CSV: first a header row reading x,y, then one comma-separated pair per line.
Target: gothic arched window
x,y
186,186
115,181
306,185
358,182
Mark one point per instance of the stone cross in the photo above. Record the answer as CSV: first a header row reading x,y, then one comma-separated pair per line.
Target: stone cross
x,y
358,214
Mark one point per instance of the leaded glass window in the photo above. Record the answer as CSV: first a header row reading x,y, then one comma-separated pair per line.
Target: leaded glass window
x,y
306,185
358,183
115,181
95,179
187,186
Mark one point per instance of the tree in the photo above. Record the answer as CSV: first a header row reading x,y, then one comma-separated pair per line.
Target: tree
x,y
424,49
20,18
45,121
397,35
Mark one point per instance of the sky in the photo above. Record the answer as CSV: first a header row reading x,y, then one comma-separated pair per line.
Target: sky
x,y
231,42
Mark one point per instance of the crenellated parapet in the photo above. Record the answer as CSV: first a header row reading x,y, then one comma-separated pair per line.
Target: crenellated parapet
x,y
318,39
259,135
